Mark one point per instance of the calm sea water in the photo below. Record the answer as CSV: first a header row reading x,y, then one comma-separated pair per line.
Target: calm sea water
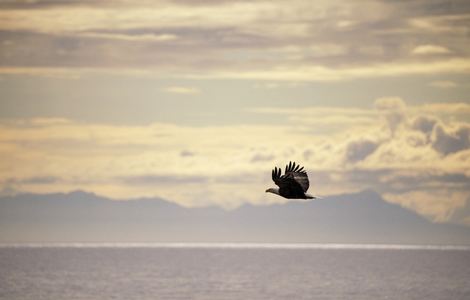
x,y
240,272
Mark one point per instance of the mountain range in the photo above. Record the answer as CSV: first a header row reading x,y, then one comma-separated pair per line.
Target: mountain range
x,y
79,216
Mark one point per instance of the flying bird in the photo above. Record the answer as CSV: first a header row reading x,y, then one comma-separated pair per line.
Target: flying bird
x,y
293,184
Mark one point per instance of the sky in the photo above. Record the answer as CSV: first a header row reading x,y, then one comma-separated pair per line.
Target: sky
x,y
196,101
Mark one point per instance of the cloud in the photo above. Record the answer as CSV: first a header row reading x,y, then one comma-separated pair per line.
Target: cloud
x,y
262,157
267,85
449,20
446,142
271,70
323,119
393,109
430,50
425,124
427,155
262,40
448,108
37,180
182,90
186,153
151,179
359,150
443,84
35,4
134,37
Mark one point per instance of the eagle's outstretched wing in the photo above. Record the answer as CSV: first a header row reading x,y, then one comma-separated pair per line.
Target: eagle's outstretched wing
x,y
299,175
293,182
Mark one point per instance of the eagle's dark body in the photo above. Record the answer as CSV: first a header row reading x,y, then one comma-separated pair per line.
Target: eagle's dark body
x,y
293,184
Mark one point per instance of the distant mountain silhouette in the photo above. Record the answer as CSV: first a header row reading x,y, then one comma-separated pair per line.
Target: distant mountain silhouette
x,y
83,217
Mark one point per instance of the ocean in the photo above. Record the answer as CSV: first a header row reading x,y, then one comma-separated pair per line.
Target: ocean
x,y
233,271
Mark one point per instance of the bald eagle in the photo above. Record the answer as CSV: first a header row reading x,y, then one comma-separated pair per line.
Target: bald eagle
x,y
293,184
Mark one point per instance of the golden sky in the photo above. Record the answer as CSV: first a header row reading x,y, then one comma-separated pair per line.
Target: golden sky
x,y
196,101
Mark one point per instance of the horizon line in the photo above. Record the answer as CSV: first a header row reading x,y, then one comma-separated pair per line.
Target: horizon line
x,y
235,245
